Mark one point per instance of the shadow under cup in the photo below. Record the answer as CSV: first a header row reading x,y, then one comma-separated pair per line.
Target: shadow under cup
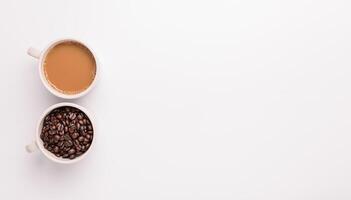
x,y
68,68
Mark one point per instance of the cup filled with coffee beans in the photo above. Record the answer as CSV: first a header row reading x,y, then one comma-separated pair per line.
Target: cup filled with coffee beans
x,y
65,133
68,68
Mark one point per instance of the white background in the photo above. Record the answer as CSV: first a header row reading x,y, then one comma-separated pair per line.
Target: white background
x,y
197,99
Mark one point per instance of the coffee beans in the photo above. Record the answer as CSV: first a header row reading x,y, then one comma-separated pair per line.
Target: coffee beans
x,y
67,132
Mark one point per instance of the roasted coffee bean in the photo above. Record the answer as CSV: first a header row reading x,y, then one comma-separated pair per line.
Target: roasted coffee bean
x,y
67,132
78,148
71,129
75,135
60,144
76,142
86,141
80,139
71,151
59,127
45,128
68,143
72,116
83,133
56,138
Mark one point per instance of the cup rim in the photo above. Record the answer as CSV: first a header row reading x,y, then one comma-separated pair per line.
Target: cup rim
x,y
39,141
45,82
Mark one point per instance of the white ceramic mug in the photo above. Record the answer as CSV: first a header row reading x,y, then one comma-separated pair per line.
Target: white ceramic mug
x,y
38,143
41,56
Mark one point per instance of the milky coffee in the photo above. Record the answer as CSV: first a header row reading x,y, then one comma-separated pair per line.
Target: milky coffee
x,y
70,67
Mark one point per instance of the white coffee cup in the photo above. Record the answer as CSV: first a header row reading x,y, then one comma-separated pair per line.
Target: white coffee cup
x,y
41,55
38,143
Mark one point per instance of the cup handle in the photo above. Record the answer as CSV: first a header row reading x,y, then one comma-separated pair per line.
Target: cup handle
x,y
34,52
30,148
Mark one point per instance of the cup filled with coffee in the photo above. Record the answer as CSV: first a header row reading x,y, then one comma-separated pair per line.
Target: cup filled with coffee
x,y
68,68
65,133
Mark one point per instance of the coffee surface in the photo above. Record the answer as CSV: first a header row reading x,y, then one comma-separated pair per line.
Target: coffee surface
x,y
70,67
